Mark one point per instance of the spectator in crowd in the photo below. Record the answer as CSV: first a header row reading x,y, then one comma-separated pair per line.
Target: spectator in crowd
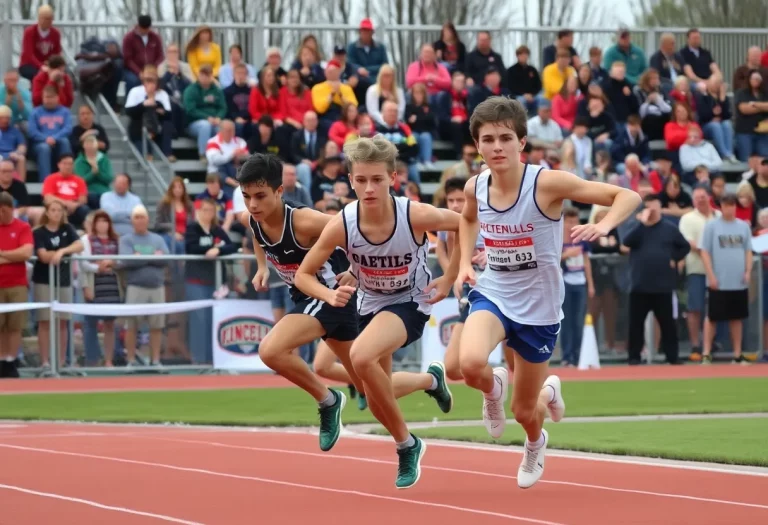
x,y
624,51
227,71
149,110
759,182
698,63
566,103
668,62
536,155
543,130
307,143
554,75
746,208
13,147
16,189
692,227
675,202
753,163
55,239
741,74
119,204
682,92
225,153
295,100
577,150
201,51
348,74
716,186
204,237
655,109
294,190
86,127
655,247
428,71
175,78
636,173
264,140
618,90
523,80
39,43
366,55
174,212
481,58
328,97
145,282
16,244
595,64
714,112
275,61
465,168
491,86
309,41
749,123
698,152
421,120
310,70
630,139
329,184
726,251
224,205
344,127
453,112
384,89
49,130
676,130
141,47
19,99
265,97
204,106
54,75
399,133
450,50
238,95
584,79
100,284
579,287
95,168
68,189
602,127
365,128
564,41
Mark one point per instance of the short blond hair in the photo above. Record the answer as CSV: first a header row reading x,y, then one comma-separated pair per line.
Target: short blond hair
x,y
371,151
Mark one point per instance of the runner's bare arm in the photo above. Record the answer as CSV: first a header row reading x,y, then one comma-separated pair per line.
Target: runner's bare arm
x,y
469,226
425,217
442,251
332,236
309,223
554,186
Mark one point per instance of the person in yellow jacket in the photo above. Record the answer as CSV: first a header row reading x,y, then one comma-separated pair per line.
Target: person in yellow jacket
x,y
328,97
553,76
202,50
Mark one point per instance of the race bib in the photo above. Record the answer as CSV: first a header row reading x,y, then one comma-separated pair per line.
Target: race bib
x,y
387,281
286,272
511,255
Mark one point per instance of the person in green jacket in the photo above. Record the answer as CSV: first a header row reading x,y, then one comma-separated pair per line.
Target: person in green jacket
x,y
204,106
627,52
96,170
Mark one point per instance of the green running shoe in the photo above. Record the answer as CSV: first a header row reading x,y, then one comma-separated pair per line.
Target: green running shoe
x,y
409,467
441,394
330,421
362,402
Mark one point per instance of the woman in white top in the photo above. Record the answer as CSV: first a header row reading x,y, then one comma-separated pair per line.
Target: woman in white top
x,y
384,89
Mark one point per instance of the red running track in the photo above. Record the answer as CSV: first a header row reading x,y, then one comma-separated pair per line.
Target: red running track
x,y
124,383
94,474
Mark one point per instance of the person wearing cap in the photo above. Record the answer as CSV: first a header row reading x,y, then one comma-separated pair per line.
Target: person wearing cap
x,y
141,47
365,54
553,76
491,86
39,43
205,106
481,58
726,251
625,51
330,95
348,73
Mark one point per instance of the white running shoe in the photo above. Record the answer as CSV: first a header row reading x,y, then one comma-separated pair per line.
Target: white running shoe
x,y
494,415
532,466
556,407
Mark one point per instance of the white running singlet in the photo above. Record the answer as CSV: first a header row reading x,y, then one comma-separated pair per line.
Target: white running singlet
x,y
392,272
523,247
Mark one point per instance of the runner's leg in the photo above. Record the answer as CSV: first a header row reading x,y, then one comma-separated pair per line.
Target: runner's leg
x,y
452,364
326,363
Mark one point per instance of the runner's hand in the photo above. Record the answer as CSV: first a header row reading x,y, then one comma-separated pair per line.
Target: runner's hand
x,y
341,296
588,232
441,286
480,258
346,279
466,275
261,280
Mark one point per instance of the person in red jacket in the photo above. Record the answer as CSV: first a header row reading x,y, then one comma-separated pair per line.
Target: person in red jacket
x,y
141,47
53,74
40,42
676,130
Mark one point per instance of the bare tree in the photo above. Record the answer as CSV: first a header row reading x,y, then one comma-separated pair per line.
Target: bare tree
x,y
702,13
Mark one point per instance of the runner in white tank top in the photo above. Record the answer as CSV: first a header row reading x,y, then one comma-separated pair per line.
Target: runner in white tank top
x,y
519,295
386,243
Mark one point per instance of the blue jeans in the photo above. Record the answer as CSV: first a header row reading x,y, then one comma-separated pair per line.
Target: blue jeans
x,y
424,140
749,143
304,175
574,310
721,135
202,130
131,80
413,173
226,171
44,154
200,324
533,106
